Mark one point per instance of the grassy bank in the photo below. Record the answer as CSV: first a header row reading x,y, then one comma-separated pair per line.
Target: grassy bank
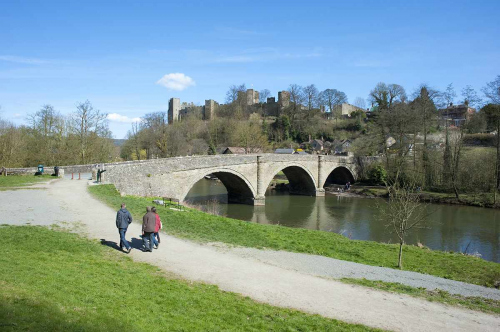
x,y
22,180
473,303
57,281
205,227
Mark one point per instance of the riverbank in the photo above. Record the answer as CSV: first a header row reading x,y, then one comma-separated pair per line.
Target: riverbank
x,y
203,227
71,283
477,200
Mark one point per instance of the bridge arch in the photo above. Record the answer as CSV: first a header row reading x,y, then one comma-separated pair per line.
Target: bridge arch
x,y
339,175
239,189
300,179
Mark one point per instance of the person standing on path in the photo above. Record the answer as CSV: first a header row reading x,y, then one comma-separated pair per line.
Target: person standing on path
x,y
123,219
158,226
148,229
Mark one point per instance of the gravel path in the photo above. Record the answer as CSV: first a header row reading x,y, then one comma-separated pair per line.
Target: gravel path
x,y
278,278
337,269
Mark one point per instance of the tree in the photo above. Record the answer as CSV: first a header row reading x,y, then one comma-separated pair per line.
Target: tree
x,y
263,95
296,96
449,95
470,97
311,96
492,113
403,212
155,125
425,108
385,95
89,124
492,91
360,102
249,135
333,98
232,93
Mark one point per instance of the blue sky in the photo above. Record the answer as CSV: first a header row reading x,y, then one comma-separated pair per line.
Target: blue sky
x,y
113,53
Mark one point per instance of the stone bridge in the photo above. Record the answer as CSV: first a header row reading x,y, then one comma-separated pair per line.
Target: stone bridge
x,y
246,177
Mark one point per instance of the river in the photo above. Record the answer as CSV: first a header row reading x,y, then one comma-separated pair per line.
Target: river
x,y
448,227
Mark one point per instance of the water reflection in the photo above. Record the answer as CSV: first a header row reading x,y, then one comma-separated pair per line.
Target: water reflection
x,y
451,228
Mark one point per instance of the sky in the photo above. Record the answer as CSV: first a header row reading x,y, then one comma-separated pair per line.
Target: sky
x,y
128,58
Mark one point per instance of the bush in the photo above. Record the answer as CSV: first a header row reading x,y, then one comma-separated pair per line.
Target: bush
x,y
377,175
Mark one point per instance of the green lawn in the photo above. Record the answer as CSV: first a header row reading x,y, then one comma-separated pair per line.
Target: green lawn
x,y
473,303
22,180
200,226
58,281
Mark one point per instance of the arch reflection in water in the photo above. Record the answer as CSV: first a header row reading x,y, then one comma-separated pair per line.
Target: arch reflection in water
x,y
451,227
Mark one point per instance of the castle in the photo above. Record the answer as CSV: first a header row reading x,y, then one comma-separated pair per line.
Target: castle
x,y
177,110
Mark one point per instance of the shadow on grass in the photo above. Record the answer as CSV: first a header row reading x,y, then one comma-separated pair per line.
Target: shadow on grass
x,y
135,243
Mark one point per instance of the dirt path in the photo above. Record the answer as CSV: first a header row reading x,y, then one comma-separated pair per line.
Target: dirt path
x,y
69,201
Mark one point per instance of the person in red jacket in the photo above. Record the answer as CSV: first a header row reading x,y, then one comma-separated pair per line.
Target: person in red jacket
x,y
158,225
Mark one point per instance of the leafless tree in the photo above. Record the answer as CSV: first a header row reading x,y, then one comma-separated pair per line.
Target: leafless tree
x,y
296,96
88,123
332,98
403,212
492,90
360,102
470,97
263,95
311,96
232,93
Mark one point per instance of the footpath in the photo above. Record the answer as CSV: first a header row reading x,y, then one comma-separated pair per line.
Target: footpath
x,y
282,279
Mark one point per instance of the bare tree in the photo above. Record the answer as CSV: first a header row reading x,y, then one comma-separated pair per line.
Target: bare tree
x,y
296,96
470,97
360,102
88,123
311,96
403,212
332,98
492,90
232,93
263,95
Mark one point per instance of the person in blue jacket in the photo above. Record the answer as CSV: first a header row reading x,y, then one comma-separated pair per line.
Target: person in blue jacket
x,y
123,219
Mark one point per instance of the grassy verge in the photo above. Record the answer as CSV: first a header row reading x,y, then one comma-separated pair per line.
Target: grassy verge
x,y
200,226
57,281
22,180
473,303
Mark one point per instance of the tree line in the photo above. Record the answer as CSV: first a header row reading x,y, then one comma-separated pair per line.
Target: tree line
x,y
52,139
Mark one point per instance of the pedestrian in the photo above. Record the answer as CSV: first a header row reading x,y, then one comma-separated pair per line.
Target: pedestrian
x,y
123,219
148,229
158,226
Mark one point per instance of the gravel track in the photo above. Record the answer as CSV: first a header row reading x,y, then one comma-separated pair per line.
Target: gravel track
x,y
278,278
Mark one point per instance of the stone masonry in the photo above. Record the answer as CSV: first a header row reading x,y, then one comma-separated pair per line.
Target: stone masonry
x,y
246,177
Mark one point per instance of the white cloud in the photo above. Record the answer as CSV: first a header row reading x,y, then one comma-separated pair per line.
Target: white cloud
x,y
17,115
20,59
122,118
176,81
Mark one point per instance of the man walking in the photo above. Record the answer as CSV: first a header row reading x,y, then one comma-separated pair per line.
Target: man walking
x,y
148,229
123,219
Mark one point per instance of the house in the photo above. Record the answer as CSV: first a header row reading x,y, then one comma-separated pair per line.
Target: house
x,y
317,145
341,146
345,109
234,150
455,115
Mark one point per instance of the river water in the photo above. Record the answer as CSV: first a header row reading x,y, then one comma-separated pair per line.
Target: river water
x,y
448,227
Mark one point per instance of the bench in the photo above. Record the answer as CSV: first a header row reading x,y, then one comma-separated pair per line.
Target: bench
x,y
170,202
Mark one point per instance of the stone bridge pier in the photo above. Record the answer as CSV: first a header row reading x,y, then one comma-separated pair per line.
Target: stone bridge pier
x,y
246,177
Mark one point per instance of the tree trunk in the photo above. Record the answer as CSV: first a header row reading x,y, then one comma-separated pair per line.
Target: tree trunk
x,y
400,260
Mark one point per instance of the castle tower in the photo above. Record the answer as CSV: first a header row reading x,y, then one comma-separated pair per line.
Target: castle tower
x,y
174,106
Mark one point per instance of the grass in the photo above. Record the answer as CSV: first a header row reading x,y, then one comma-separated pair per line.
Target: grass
x,y
22,180
58,281
204,227
473,303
